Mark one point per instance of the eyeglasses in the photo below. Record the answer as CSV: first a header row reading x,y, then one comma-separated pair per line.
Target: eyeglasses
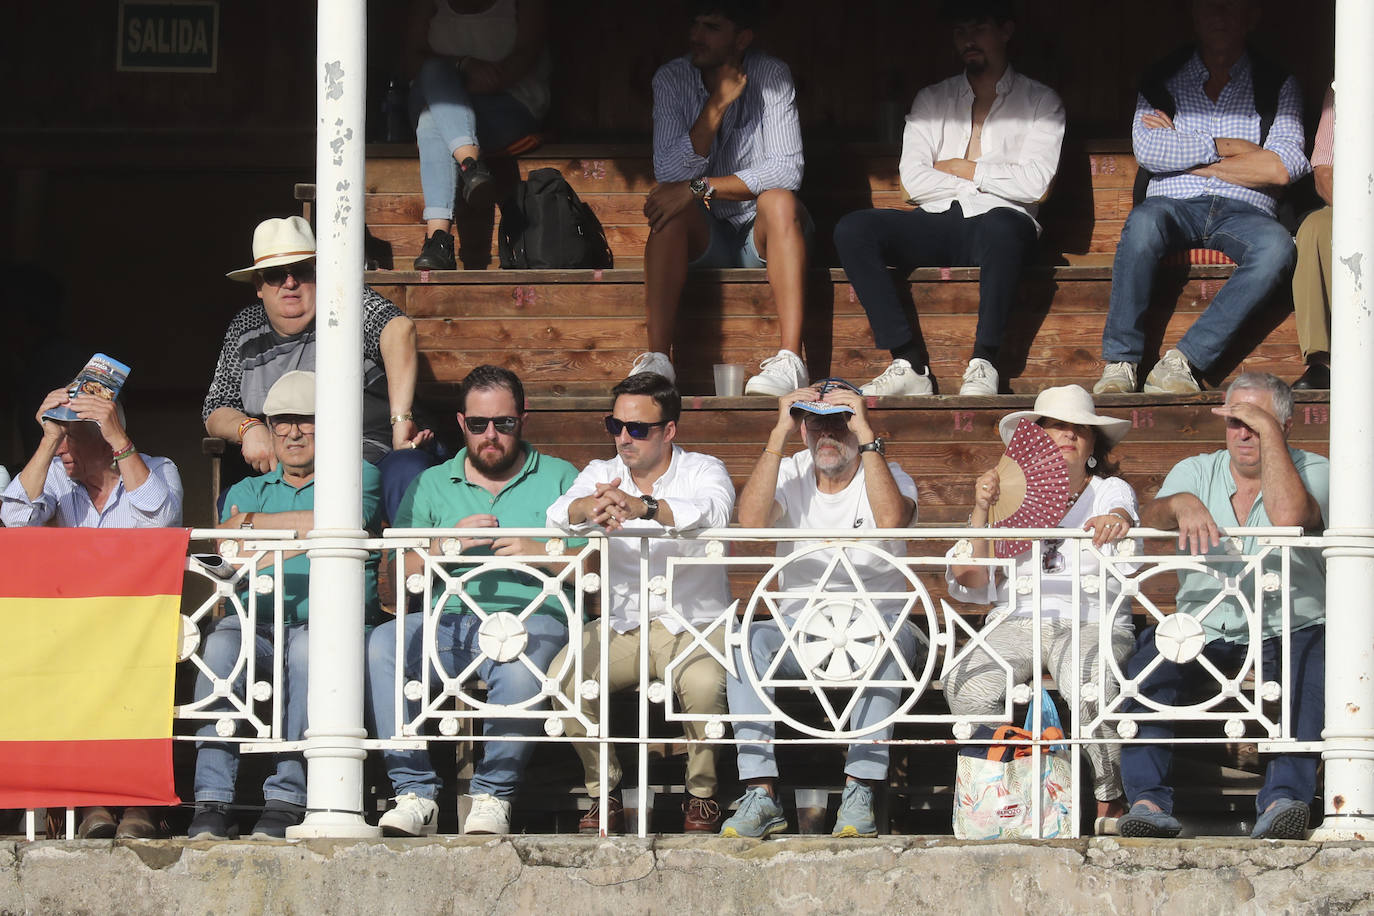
x,y
637,429
282,426
304,272
478,425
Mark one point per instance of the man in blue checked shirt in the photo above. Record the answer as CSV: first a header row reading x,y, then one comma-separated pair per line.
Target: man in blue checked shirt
x,y
728,162
1219,162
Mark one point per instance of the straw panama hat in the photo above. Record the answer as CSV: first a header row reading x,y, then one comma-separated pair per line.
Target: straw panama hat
x,y
293,393
1069,404
276,242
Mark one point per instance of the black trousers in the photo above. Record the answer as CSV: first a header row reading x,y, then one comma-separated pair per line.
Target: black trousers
x,y
997,242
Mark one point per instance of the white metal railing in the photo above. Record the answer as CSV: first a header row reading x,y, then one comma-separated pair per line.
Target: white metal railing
x,y
839,633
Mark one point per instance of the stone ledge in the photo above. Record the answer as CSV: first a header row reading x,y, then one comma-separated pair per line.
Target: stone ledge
x,y
796,875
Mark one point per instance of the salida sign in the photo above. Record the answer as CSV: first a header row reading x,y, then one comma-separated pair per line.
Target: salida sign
x,y
168,36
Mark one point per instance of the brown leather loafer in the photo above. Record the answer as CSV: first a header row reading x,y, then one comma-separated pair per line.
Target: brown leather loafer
x,y
615,817
136,824
700,815
96,824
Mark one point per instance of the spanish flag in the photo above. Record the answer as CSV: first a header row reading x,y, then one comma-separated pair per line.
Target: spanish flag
x,y
89,625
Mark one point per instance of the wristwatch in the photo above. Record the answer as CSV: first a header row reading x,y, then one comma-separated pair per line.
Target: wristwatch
x,y
650,508
247,520
701,188
877,445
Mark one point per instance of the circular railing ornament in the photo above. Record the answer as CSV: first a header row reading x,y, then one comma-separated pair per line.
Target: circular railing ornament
x,y
415,583
448,726
553,727
1179,638
225,727
263,584
1127,729
414,691
1271,691
190,638
502,637
838,640
262,691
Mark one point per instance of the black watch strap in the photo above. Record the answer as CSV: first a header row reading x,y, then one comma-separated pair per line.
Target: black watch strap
x,y
877,445
650,508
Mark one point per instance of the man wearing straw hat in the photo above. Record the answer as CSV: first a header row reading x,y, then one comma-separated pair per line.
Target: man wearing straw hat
x,y
1256,481
277,335
840,480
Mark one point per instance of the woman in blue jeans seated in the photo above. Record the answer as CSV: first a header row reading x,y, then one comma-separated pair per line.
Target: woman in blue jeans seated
x,y
481,82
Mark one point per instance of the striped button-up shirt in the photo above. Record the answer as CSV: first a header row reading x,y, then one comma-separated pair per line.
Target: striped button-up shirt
x,y
154,504
1199,122
759,141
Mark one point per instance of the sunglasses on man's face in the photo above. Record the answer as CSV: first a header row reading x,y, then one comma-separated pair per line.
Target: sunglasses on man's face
x,y
478,425
304,272
637,429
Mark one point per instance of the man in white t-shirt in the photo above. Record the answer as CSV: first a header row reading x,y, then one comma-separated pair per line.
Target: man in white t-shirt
x,y
841,481
653,486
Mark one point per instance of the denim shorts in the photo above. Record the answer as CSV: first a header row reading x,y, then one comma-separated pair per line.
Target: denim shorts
x,y
733,246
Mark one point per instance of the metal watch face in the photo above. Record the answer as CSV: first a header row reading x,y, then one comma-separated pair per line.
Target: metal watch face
x,y
698,186
650,507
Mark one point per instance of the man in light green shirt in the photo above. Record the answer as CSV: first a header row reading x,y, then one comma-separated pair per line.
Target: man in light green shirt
x,y
1258,481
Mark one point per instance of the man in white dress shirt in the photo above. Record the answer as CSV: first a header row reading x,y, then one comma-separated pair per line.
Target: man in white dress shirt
x,y
655,486
979,152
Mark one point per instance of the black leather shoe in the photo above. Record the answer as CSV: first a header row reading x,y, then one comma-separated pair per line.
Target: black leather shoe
x,y
1317,377
276,817
437,253
479,185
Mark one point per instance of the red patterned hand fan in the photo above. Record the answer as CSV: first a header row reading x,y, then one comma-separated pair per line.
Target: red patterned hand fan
x,y
1034,486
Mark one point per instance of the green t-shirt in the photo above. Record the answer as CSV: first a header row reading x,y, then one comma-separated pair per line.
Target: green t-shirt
x,y
1208,477
270,493
442,496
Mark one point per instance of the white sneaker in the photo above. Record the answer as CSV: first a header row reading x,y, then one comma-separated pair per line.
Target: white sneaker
x,y
779,375
1171,375
412,816
980,378
658,363
1117,378
900,379
489,814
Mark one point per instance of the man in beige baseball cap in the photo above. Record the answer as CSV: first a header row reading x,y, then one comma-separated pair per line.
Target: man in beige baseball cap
x,y
277,335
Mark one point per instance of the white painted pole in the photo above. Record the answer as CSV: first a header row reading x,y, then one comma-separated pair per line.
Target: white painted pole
x,y
1349,734
334,752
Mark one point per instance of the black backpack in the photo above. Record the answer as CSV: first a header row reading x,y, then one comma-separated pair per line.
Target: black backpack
x,y
545,225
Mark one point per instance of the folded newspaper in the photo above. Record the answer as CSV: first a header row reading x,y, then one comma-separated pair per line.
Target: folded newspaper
x,y
103,377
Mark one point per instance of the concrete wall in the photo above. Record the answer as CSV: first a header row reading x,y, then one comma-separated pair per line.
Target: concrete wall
x,y
680,875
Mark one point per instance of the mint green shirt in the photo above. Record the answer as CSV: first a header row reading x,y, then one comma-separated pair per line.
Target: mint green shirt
x,y
270,493
1208,477
442,496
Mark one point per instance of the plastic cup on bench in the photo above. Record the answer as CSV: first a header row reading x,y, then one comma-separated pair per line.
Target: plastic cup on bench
x,y
811,805
635,797
729,380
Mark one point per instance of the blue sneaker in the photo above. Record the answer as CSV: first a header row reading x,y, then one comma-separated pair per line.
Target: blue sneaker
x,y
758,815
1147,822
1285,819
855,817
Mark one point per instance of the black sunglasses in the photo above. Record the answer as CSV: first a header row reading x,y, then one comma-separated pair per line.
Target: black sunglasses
x,y
638,429
304,272
478,425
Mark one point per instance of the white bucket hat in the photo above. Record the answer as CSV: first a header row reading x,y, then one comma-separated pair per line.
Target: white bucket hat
x,y
1069,404
277,242
292,394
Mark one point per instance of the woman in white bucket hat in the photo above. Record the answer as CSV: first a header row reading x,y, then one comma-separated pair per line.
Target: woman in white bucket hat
x,y
1102,503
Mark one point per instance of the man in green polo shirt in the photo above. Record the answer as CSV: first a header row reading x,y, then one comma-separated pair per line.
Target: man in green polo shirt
x,y
281,499
1258,481
498,480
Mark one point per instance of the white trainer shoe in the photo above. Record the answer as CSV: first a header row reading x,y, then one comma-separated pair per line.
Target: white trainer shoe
x,y
1171,375
980,378
900,379
658,363
489,814
412,816
1117,378
779,375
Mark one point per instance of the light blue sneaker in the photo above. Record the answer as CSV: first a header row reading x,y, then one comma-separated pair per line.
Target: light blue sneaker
x,y
855,817
759,815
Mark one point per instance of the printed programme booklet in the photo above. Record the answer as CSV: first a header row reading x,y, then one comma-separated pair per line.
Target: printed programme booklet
x,y
103,377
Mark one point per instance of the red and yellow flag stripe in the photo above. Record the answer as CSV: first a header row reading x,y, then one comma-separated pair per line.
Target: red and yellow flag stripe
x,y
89,624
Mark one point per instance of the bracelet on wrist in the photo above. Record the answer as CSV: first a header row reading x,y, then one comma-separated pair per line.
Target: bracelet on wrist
x,y
248,424
401,417
127,451
773,451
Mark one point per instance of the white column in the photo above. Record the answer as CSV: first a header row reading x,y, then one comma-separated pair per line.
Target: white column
x,y
1349,734
334,753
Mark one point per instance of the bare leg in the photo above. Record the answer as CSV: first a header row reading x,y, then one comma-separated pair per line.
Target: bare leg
x,y
779,238
464,153
666,255
435,225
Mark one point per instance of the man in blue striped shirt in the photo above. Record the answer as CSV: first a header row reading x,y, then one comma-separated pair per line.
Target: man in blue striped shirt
x,y
1217,174
728,162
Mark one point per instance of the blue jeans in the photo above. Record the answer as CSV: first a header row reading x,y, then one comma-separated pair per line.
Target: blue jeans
x,y
1145,767
1262,249
217,763
447,117
759,761
399,468
508,683
735,246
